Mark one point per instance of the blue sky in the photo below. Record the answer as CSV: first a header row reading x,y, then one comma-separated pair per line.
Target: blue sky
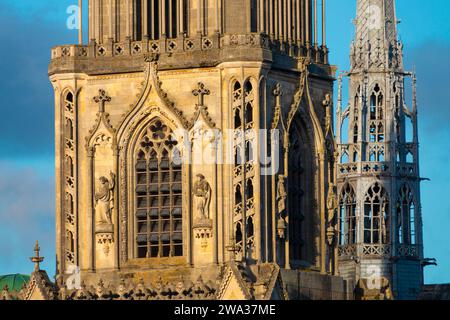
x,y
28,29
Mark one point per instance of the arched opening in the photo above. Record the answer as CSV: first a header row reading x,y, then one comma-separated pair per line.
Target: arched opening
x,y
347,216
238,156
406,216
69,102
238,195
300,182
344,130
376,215
344,158
249,157
68,166
380,156
158,194
237,118
250,227
372,156
68,129
409,158
69,203
249,189
355,133
238,236
248,113
409,130
70,241
376,104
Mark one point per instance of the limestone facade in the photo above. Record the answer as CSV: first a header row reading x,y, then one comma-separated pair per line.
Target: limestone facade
x,y
195,144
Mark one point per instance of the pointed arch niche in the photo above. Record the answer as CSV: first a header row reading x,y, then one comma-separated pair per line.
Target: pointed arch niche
x,y
102,171
301,188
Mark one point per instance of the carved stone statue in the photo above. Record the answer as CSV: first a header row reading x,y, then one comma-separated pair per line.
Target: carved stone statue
x,y
104,200
202,193
331,203
331,208
281,193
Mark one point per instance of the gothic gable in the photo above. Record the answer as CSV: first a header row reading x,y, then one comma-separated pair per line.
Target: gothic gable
x,y
152,96
233,286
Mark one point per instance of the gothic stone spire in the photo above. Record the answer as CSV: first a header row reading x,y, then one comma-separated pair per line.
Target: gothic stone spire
x,y
376,45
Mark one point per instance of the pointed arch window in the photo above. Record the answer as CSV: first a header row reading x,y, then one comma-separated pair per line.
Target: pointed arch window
x,y
376,104
406,216
249,100
238,195
69,102
344,158
355,133
158,194
356,106
347,216
376,132
250,232
376,215
238,236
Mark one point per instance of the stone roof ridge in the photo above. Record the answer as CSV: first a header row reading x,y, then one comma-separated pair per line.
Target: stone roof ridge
x,y
40,287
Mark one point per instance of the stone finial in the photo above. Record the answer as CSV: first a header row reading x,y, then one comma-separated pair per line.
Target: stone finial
x,y
101,99
37,259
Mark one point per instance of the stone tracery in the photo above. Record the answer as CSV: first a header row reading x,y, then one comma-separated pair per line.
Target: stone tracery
x,y
158,194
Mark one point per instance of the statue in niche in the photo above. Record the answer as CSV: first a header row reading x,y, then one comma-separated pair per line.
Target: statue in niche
x,y
202,193
281,193
104,200
331,203
331,208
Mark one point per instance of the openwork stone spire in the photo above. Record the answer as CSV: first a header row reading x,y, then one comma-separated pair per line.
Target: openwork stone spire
x,y
380,220
376,44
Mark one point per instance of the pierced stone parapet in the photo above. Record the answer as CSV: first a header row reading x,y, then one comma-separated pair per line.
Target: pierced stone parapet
x,y
178,45
351,251
408,250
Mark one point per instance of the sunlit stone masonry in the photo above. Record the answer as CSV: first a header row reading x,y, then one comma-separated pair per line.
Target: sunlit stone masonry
x,y
196,157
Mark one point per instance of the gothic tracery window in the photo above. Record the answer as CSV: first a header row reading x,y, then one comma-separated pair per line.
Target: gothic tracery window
x,y
158,194
376,215
406,216
376,104
347,216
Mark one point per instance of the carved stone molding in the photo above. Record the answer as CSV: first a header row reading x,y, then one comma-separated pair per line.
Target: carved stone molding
x,y
105,238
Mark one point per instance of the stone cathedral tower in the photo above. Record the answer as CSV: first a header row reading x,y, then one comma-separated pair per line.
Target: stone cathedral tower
x,y
166,187
380,243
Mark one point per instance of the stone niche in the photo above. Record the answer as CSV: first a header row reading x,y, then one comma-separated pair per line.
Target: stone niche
x,y
203,164
104,201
